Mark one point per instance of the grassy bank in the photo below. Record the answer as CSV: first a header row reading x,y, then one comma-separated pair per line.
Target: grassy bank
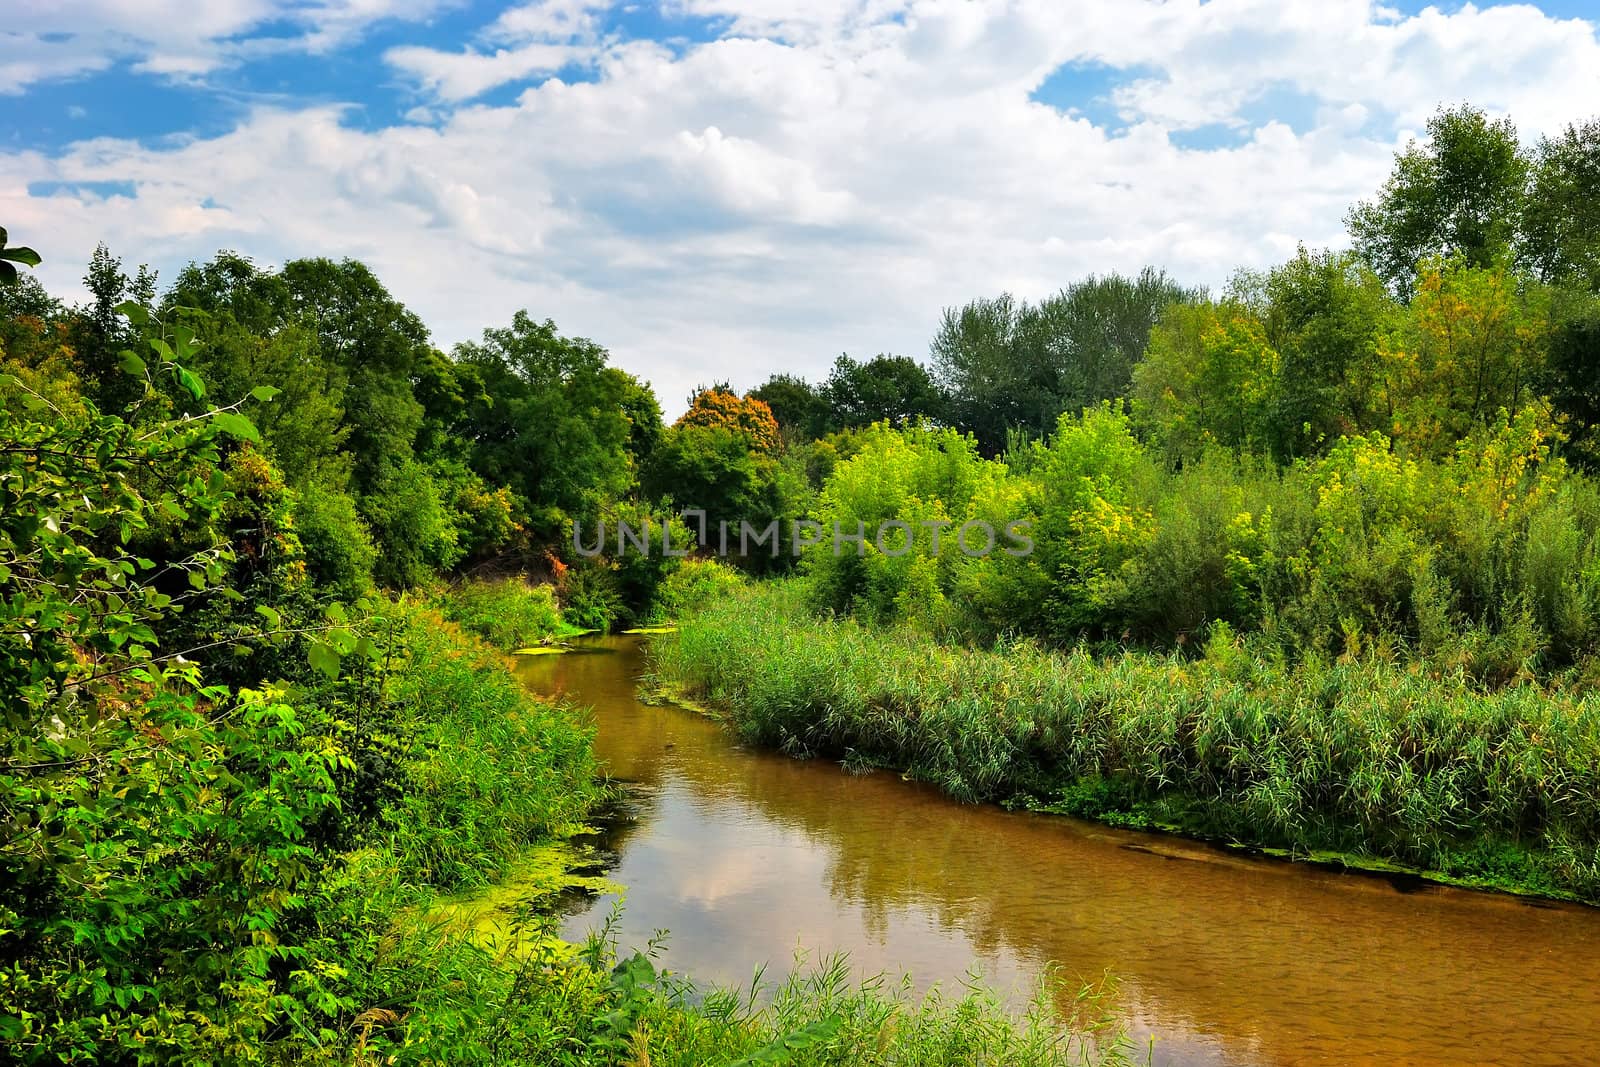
x,y
1366,758
499,777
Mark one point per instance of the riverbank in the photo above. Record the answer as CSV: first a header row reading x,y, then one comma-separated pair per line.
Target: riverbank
x,y
488,981
1368,762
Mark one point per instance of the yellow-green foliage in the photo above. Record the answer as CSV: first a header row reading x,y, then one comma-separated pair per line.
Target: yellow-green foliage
x,y
695,583
1486,557
509,613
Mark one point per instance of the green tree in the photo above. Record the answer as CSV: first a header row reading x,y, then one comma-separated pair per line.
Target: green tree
x,y
1211,376
1324,313
799,407
1005,364
99,332
1561,223
1461,193
983,357
376,344
1572,379
146,817
892,389
550,421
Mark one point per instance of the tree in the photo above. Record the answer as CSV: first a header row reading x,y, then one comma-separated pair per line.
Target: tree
x,y
251,334
1210,376
796,404
892,389
720,407
146,816
1097,330
981,356
1561,223
1324,313
643,412
1572,380
377,344
1465,355
1005,364
1462,193
550,420
99,333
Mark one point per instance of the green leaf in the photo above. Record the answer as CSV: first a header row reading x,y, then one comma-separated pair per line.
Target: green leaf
x,y
264,393
235,425
133,311
132,364
783,1049
190,383
21,254
323,658
274,620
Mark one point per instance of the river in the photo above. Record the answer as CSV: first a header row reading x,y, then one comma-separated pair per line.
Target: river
x,y
748,856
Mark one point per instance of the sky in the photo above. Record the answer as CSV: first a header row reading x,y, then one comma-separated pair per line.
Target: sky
x,y
724,189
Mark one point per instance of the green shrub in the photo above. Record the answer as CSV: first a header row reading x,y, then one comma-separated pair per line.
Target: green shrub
x,y
508,613
339,551
590,599
694,584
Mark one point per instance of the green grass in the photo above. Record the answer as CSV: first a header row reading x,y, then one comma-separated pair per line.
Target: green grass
x,y
488,769
1370,760
559,1005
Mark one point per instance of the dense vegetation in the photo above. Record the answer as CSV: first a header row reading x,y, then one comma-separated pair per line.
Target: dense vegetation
x,y
1313,563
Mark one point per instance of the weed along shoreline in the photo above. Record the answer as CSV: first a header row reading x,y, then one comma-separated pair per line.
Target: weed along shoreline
x,y
655,691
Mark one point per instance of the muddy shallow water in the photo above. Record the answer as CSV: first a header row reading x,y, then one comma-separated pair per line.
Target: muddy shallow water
x,y
747,856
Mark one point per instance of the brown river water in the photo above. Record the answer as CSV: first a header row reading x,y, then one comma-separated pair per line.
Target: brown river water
x,y
748,856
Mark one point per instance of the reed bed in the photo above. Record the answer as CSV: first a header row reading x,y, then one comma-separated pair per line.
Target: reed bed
x,y
1370,759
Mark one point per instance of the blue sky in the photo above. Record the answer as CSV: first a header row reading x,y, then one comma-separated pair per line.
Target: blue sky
x,y
723,188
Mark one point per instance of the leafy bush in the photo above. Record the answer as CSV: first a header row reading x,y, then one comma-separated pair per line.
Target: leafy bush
x,y
339,550
508,613
694,584
590,598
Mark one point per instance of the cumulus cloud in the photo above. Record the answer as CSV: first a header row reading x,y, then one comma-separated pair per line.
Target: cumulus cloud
x,y
531,40
178,39
804,185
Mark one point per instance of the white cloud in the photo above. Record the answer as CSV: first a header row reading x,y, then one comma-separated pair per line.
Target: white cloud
x,y
179,39
802,187
535,39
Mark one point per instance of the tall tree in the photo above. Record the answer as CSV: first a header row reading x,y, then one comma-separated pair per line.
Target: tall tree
x,y
1561,223
1324,313
799,407
99,334
1005,363
892,389
552,421
378,344
1460,193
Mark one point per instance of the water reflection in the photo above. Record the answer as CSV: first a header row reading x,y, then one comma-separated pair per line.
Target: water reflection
x,y
745,856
